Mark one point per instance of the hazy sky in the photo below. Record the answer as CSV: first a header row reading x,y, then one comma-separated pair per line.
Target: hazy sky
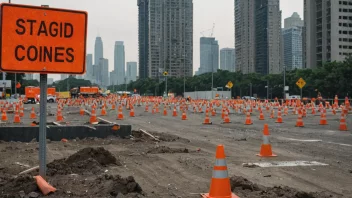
x,y
117,20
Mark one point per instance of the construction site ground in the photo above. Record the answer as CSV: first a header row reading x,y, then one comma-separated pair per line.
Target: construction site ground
x,y
181,163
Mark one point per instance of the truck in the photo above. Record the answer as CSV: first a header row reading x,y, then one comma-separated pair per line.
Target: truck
x,y
32,94
85,92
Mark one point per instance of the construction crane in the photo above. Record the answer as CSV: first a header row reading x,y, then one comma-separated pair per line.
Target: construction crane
x,y
212,31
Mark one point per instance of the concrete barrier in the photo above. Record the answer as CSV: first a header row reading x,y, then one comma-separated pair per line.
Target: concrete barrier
x,y
56,133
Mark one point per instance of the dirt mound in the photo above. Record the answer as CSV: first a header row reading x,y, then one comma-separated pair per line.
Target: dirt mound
x,y
165,149
165,137
114,185
244,188
86,161
10,186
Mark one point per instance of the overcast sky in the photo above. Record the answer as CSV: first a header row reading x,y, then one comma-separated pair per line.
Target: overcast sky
x,y
117,20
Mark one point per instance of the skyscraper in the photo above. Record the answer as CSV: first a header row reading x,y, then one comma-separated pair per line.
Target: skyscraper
x,y
227,59
104,66
98,50
143,37
258,36
131,71
170,43
327,31
119,62
209,55
89,66
292,41
245,35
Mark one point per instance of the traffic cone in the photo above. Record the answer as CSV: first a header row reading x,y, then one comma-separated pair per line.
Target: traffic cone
x,y
120,113
313,111
220,183
285,111
93,117
59,116
44,187
279,117
334,111
146,108
343,125
184,116
103,111
261,116
272,115
226,118
81,111
17,118
113,106
165,111
4,116
132,112
21,112
265,150
207,119
248,119
323,120
299,122
213,112
174,113
33,115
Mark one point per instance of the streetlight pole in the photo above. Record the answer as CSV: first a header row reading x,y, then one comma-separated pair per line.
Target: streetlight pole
x,y
284,82
250,89
166,92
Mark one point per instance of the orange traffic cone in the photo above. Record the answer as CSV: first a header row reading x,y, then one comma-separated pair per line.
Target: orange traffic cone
x,y
213,112
272,116
81,111
226,118
113,106
220,183
299,122
184,116
323,120
132,112
44,186
174,113
165,111
120,113
334,111
4,116
103,111
93,117
33,115
207,119
59,116
313,111
343,125
279,117
146,108
21,112
261,115
17,118
248,119
265,150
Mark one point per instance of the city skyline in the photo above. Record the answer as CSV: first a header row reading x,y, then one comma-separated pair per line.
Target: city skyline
x,y
222,14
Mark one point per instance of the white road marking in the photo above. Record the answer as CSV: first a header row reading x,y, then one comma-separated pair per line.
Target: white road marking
x,y
299,140
289,164
340,144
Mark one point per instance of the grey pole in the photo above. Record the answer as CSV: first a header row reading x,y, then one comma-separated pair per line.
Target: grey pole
x,y
250,90
15,85
284,82
42,125
267,89
166,92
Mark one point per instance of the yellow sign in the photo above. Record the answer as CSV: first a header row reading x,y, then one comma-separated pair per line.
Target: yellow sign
x,y
229,85
301,83
165,73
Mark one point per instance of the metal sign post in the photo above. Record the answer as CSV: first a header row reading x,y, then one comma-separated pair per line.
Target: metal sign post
x,y
42,124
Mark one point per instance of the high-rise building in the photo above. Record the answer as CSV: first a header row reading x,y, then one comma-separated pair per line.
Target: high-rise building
x,y
227,59
327,31
268,59
89,66
258,39
119,62
143,37
98,50
293,21
245,35
113,77
209,55
104,66
292,42
131,71
170,41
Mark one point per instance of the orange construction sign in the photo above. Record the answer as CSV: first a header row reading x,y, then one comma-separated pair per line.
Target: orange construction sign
x,y
42,40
